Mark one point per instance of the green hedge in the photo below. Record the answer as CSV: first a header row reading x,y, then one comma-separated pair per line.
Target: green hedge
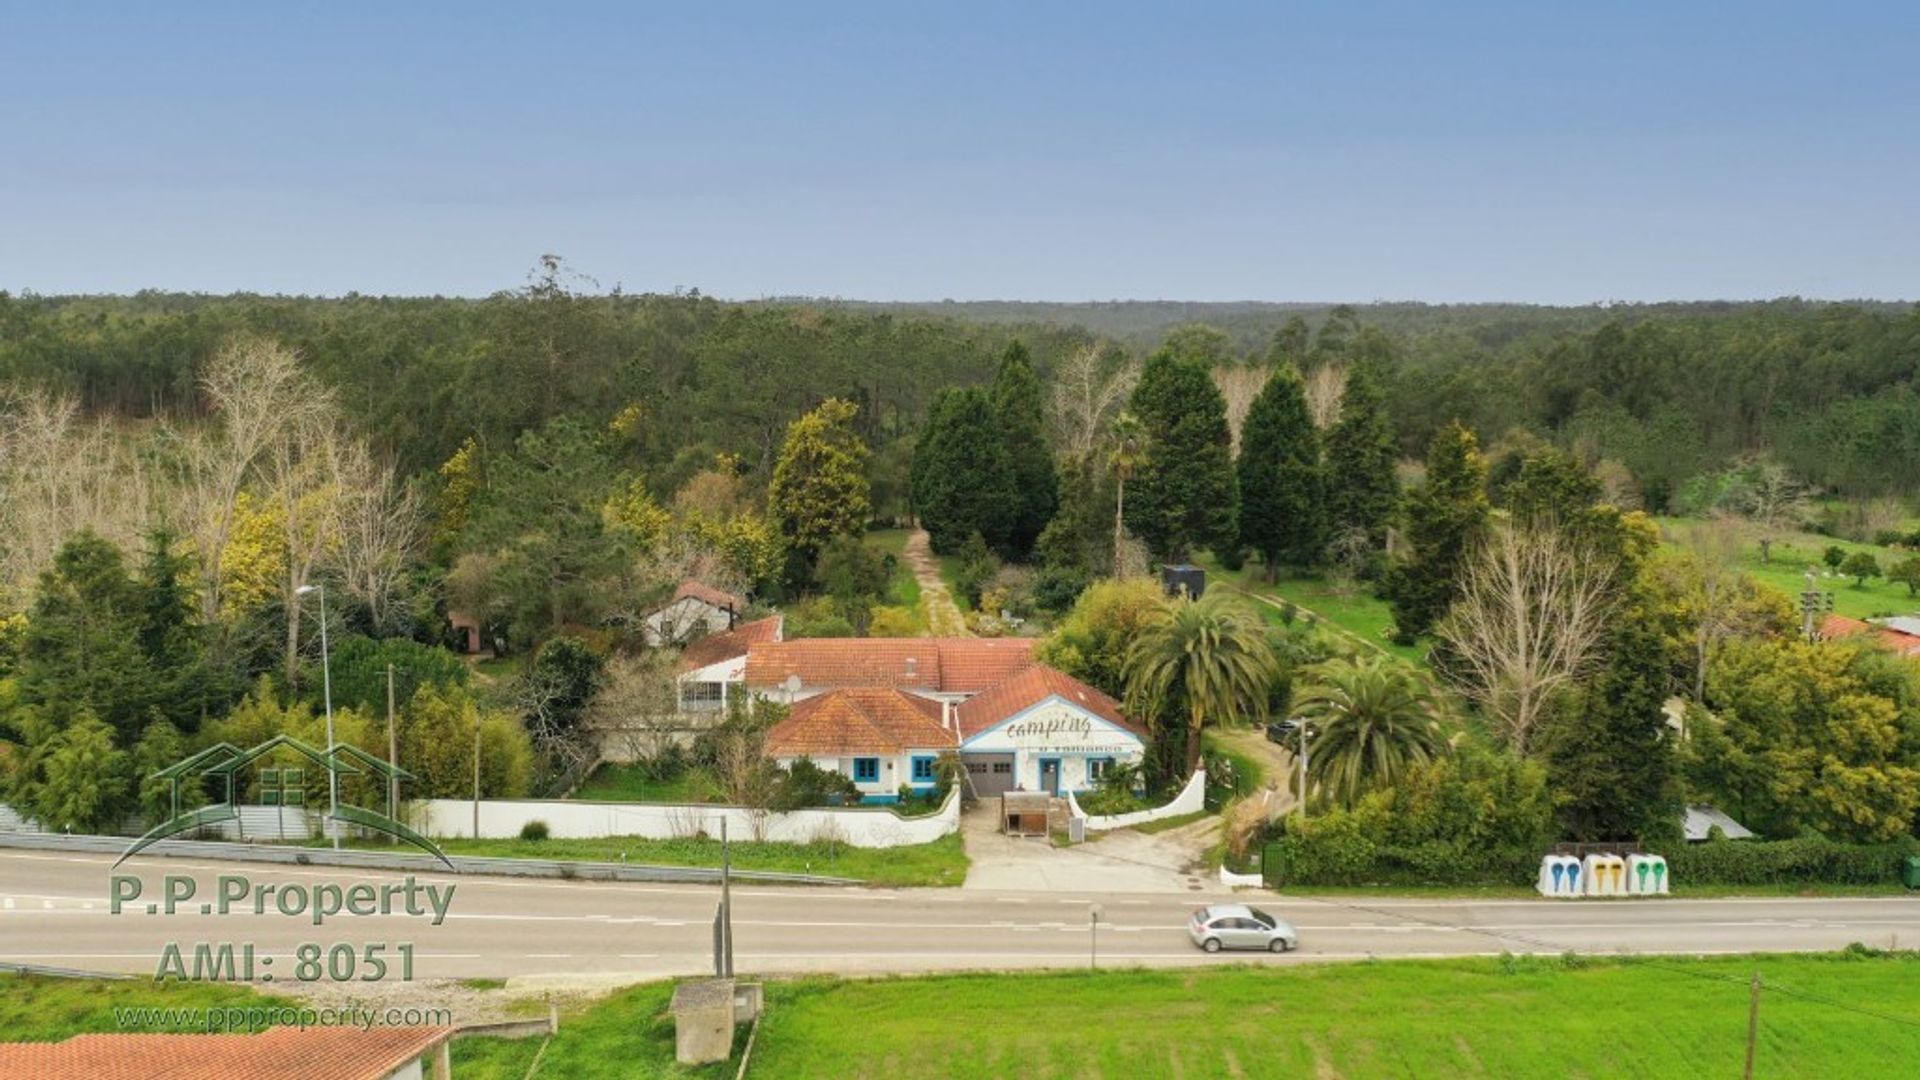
x,y
1357,861
1811,860
1347,859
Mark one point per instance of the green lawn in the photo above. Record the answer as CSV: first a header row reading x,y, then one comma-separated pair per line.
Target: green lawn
x,y
1349,609
1794,552
942,862
35,1009
1845,1014
1501,1017
903,590
629,783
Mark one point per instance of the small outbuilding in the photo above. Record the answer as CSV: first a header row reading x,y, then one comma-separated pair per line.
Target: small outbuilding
x,y
1700,820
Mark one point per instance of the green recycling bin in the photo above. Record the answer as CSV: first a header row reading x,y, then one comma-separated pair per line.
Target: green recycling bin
x,y
1910,872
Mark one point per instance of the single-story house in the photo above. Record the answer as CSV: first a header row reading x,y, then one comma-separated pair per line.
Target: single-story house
x,y
947,670
880,738
1044,730
340,1053
711,664
696,608
1901,634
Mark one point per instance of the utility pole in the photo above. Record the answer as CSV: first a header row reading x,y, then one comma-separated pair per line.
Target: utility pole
x,y
326,685
1814,602
476,774
1753,1025
726,902
1303,769
393,753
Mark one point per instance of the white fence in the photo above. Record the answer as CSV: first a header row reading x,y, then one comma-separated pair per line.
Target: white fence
x,y
579,819
1192,799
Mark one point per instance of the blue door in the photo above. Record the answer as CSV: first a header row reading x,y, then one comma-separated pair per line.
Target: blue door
x,y
1050,775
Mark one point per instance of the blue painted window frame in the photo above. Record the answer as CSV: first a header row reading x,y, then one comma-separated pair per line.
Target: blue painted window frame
x,y
923,769
866,770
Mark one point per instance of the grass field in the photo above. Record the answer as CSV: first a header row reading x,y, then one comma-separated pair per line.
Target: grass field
x,y
1349,609
1846,1014
903,589
943,862
629,783
1794,552
1492,1017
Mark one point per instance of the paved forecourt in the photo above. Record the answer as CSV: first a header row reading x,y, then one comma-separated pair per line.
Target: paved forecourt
x,y
55,910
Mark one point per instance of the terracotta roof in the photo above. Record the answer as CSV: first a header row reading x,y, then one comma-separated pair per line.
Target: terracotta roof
x,y
861,721
1029,688
701,591
942,665
280,1053
728,644
1839,626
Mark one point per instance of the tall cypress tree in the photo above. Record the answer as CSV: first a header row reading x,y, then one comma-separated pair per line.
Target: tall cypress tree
x,y
1361,487
1184,494
1443,516
1283,512
81,650
1016,398
963,480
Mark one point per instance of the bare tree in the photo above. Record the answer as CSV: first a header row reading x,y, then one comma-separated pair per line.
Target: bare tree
x,y
303,474
1713,564
1325,386
1531,616
381,527
255,391
59,474
1239,384
1088,392
1771,498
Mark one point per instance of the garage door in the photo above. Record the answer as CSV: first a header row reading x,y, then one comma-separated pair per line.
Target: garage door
x,y
991,774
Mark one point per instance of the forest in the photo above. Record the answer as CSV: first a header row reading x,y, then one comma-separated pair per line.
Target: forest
x,y
179,473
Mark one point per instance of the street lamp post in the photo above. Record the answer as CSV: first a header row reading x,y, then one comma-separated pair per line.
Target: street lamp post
x,y
326,697
1303,770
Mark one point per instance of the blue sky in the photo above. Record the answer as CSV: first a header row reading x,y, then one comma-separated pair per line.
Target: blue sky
x,y
1546,152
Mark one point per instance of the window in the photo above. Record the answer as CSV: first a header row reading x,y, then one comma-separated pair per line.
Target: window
x,y
1001,768
923,770
866,770
701,696
1097,768
977,767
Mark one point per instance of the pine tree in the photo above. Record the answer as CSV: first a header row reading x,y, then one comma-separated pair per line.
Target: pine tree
x,y
820,488
1283,511
1443,517
1361,487
963,480
82,645
1183,494
173,641
1017,401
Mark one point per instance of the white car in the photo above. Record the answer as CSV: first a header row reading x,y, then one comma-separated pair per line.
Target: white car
x,y
1237,926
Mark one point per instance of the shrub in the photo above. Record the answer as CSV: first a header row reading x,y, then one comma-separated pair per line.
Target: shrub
x,y
534,830
1808,860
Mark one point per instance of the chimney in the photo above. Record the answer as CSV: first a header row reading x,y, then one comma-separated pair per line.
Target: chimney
x,y
913,666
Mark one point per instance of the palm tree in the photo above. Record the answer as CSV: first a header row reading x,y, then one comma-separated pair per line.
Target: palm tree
x,y
1207,659
1376,718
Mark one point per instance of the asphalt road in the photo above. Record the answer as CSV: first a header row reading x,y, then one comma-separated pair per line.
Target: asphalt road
x,y
54,910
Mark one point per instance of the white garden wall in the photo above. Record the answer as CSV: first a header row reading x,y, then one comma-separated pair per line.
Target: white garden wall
x,y
570,819
1192,799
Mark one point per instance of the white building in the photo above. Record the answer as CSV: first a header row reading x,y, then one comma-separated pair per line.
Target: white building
x,y
713,667
1044,730
881,739
695,609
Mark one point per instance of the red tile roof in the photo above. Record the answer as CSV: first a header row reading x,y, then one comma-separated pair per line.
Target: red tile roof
x,y
1029,688
729,643
841,723
941,665
1839,626
719,598
280,1053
